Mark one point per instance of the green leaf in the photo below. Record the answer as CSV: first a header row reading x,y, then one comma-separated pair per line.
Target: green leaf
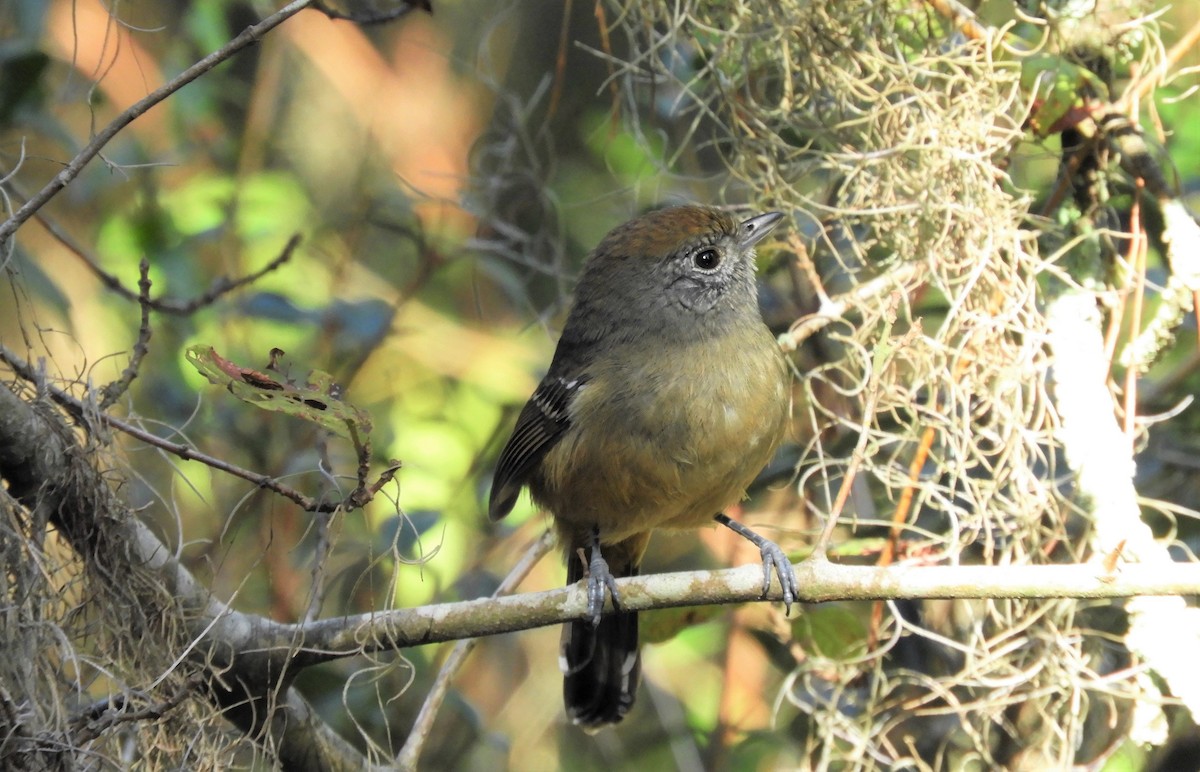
x,y
200,204
831,630
1064,92
664,624
314,402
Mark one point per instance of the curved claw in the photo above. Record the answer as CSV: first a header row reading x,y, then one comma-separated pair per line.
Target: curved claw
x,y
773,558
600,579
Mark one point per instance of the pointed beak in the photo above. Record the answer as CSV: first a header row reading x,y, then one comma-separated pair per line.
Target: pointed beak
x,y
755,229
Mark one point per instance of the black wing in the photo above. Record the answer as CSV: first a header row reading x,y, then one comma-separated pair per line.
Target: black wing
x,y
542,423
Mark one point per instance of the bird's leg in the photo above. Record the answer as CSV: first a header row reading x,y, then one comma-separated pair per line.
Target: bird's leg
x,y
773,557
599,580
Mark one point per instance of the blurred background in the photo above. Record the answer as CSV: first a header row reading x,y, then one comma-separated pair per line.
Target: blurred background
x,y
447,174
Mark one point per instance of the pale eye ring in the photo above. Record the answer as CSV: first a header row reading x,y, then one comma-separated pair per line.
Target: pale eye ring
x,y
707,259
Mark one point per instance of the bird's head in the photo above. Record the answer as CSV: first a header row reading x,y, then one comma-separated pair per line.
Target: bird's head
x,y
687,271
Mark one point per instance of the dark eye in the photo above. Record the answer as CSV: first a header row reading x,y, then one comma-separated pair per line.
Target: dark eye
x,y
707,259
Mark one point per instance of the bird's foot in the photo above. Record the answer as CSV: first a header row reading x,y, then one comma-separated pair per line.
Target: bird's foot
x,y
600,580
773,559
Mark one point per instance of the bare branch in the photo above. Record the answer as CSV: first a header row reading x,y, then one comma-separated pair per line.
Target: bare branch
x,y
248,37
76,407
411,752
46,469
113,391
220,287
820,581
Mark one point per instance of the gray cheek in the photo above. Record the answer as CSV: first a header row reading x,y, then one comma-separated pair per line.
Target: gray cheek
x,y
693,295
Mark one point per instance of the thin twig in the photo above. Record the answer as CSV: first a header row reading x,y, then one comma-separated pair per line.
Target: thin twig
x,y
843,494
1137,259
104,715
1153,76
113,391
836,308
963,18
248,37
76,407
560,61
411,752
221,286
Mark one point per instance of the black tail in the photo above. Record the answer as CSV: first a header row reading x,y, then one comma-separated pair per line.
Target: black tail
x,y
601,663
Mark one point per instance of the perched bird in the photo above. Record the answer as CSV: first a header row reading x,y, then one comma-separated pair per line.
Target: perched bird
x,y
666,396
